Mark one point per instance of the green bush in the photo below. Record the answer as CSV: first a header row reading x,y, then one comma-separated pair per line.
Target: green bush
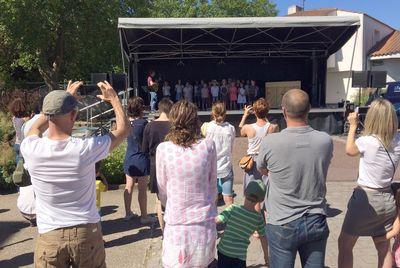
x,y
7,156
113,166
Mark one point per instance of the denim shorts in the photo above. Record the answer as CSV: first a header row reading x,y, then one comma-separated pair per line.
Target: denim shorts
x,y
225,185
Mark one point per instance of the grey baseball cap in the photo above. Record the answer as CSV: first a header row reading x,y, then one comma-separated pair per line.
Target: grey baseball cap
x,y
59,102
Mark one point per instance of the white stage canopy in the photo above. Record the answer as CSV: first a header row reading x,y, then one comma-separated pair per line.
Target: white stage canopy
x,y
241,22
191,38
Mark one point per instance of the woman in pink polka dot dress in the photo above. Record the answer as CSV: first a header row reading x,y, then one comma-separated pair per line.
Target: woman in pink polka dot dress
x,y
186,176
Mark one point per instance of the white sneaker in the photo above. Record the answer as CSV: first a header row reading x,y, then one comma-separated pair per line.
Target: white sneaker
x,y
148,220
130,216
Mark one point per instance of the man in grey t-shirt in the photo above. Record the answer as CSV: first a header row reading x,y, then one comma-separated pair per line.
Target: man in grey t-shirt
x,y
297,161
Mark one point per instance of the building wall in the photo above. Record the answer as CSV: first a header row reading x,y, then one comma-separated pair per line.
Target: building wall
x,y
336,84
391,66
342,62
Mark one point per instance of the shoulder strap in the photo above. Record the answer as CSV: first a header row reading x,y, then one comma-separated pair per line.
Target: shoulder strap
x,y
386,150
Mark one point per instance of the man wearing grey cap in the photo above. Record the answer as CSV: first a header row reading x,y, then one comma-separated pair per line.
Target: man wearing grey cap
x,y
62,170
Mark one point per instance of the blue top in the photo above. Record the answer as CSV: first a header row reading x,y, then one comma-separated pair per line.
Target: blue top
x,y
136,162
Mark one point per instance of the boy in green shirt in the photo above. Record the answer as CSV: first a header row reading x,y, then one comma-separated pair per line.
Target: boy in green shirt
x,y
241,222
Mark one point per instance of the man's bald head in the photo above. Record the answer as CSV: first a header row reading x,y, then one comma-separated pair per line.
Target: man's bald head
x,y
296,104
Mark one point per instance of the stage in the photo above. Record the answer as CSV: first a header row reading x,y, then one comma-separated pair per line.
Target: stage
x,y
325,119
270,50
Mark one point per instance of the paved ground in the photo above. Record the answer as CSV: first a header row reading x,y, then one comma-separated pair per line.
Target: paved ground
x,y
129,244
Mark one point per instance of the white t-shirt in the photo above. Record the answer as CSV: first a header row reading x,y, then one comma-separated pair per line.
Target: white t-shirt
x,y
223,136
188,92
63,178
376,169
214,91
166,90
28,124
26,196
18,123
178,88
26,200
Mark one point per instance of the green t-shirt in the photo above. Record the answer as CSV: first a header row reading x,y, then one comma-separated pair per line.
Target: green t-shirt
x,y
240,225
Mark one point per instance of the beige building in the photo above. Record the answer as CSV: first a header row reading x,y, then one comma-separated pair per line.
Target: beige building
x,y
360,53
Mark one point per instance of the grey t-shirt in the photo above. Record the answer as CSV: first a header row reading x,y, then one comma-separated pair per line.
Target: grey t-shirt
x,y
297,159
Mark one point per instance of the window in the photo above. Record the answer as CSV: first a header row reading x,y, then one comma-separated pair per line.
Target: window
x,y
377,37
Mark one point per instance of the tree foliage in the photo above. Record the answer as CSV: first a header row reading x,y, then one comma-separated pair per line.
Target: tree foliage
x,y
205,8
70,39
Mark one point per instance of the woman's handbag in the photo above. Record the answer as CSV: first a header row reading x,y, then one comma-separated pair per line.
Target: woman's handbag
x,y
246,163
21,176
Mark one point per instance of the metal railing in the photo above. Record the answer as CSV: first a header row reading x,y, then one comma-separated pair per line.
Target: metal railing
x,y
89,108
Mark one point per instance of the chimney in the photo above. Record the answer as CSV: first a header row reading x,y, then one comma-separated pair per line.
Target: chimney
x,y
294,9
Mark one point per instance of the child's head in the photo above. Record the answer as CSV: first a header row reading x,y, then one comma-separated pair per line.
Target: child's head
x,y
255,191
165,105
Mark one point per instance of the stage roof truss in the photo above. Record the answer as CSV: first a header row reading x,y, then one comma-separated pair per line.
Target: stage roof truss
x,y
183,38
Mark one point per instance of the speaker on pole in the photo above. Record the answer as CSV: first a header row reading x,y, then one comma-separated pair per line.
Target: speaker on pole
x,y
98,77
378,79
360,79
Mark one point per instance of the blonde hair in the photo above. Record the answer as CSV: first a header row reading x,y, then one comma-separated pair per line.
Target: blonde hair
x,y
218,112
381,120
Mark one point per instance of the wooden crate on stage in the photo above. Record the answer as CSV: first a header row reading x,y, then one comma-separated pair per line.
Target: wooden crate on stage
x,y
274,91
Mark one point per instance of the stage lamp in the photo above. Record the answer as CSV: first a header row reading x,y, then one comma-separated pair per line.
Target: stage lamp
x,y
180,63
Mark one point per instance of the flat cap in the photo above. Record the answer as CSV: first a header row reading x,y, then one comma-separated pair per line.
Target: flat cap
x,y
59,102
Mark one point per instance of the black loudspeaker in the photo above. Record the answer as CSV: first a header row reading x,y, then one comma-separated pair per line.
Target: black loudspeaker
x,y
98,77
360,78
378,79
118,81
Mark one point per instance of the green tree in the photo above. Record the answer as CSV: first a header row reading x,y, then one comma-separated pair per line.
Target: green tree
x,y
59,38
69,39
213,8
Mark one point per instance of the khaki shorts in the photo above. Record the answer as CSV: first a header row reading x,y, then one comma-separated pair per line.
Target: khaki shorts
x,y
77,246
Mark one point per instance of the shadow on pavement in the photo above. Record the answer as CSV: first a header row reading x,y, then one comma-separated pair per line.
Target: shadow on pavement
x,y
332,212
4,210
18,261
107,210
8,228
11,244
128,239
120,225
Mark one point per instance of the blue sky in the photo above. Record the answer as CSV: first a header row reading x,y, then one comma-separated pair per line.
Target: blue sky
x,y
387,11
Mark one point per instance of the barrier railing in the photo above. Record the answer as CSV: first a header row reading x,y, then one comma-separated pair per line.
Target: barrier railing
x,y
89,108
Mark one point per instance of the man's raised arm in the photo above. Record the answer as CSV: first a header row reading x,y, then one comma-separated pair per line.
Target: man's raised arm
x,y
122,131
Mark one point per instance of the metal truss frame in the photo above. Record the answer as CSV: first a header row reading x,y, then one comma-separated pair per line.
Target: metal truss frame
x,y
266,44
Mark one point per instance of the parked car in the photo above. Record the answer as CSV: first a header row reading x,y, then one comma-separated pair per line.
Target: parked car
x,y
393,95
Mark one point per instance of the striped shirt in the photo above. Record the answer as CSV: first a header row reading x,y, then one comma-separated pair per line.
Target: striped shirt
x,y
240,225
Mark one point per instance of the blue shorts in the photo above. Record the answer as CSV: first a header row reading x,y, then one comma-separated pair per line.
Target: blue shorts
x,y
225,185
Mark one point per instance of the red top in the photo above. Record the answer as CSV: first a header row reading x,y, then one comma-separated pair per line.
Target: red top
x,y
233,92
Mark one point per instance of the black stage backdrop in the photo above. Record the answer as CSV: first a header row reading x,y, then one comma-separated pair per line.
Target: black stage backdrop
x,y
259,69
